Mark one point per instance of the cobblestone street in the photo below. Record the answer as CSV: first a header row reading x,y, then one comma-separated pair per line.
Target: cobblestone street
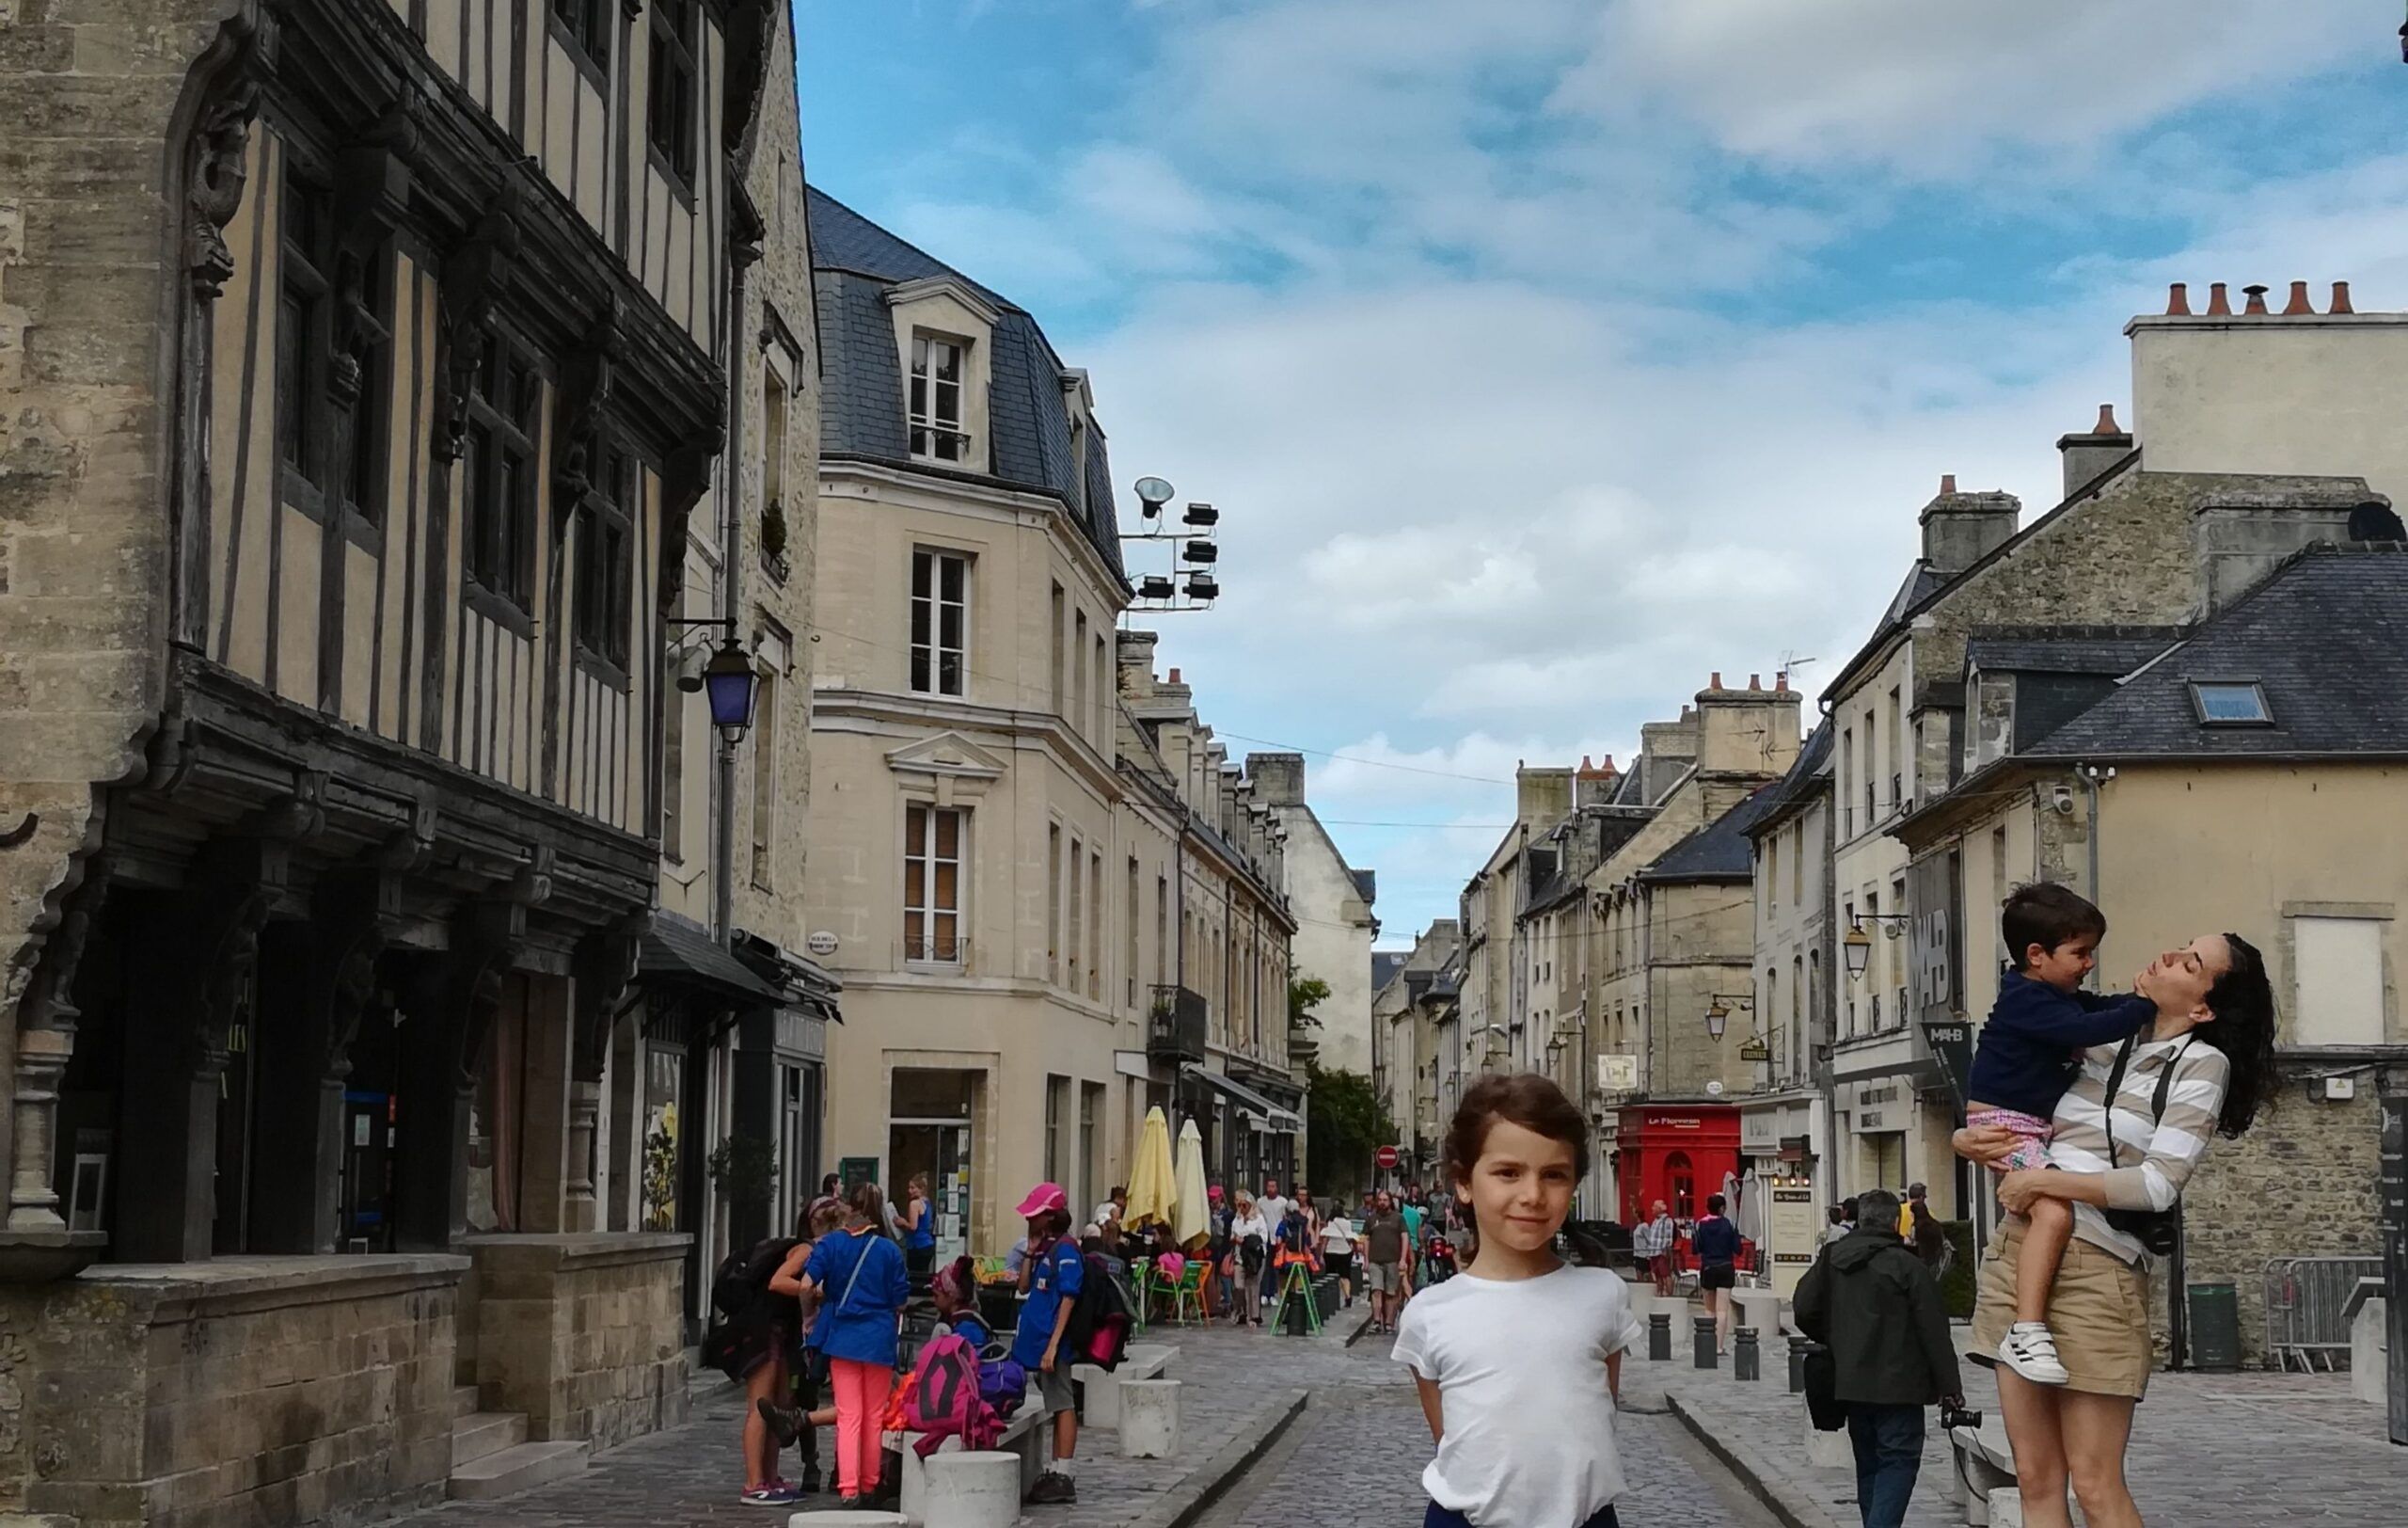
x,y
1355,1455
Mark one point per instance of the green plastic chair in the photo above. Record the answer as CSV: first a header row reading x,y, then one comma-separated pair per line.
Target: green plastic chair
x,y
1185,1293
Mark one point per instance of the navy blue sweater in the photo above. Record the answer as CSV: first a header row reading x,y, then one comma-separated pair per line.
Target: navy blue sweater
x,y
2031,1047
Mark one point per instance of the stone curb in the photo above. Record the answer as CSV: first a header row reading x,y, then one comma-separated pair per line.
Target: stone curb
x,y
1360,1332
1764,1480
1184,1502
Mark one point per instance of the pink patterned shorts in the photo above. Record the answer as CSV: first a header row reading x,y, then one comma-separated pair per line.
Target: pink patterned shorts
x,y
2032,1151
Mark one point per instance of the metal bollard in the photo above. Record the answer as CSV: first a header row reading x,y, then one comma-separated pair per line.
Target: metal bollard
x,y
1706,1357
1660,1336
1746,1364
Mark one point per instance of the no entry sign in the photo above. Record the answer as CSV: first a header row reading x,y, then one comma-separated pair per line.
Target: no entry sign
x,y
1386,1158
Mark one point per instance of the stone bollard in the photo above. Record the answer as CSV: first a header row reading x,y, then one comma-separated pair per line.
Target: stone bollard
x,y
973,1490
1706,1357
1149,1418
2006,1507
1745,1362
1660,1336
1798,1349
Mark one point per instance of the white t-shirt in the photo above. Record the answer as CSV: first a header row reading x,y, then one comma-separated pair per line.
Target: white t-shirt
x,y
1274,1210
1339,1235
1528,1422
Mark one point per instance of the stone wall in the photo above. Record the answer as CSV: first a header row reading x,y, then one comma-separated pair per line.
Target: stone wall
x,y
581,1332
207,1395
2300,1183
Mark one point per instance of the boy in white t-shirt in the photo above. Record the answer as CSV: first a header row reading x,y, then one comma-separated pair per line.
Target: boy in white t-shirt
x,y
1519,1358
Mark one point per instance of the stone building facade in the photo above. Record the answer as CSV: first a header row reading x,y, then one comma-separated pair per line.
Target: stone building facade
x,y
1052,903
361,369
1334,924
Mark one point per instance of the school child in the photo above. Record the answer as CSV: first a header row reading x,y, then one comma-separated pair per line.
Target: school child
x,y
801,1422
1519,1357
857,1276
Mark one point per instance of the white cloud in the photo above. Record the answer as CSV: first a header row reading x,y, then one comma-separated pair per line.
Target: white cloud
x,y
1934,86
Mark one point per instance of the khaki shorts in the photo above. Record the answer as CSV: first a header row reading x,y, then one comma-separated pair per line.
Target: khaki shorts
x,y
1384,1278
2097,1312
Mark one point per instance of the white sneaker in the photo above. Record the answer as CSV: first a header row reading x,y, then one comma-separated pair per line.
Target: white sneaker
x,y
2030,1350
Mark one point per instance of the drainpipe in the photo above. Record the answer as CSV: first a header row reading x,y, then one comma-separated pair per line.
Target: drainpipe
x,y
742,252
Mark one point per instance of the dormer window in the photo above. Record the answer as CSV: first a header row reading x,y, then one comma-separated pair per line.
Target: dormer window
x,y
937,371
2231,703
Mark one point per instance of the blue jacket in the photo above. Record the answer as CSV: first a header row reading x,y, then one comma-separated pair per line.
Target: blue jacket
x,y
1715,1239
860,1328
1055,1278
2031,1047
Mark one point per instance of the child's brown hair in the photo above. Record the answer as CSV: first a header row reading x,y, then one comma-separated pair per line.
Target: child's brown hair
x,y
1530,1101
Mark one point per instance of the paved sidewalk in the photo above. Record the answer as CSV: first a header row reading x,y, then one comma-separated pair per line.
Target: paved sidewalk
x,y
2245,1450
1238,1385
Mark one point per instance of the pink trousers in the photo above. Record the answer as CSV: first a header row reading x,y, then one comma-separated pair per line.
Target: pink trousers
x,y
861,1391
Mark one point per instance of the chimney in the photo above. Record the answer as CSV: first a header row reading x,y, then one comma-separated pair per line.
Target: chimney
x,y
1174,675
2255,293
1959,529
1750,731
2218,306
2086,455
2298,303
2341,298
1278,778
2178,300
1543,797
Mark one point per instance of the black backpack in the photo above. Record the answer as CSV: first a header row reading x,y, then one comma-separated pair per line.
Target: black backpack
x,y
743,1278
1101,1316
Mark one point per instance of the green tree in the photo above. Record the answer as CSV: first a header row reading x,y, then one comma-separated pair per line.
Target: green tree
x,y
1304,993
1345,1122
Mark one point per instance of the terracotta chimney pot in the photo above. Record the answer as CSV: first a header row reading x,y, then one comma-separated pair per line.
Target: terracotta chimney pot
x,y
1780,682
2341,298
1947,482
2298,303
1174,675
2178,300
2255,293
1755,681
2218,306
1716,683
2106,424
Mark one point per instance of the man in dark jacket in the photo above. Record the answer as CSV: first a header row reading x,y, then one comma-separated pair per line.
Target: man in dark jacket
x,y
1877,1307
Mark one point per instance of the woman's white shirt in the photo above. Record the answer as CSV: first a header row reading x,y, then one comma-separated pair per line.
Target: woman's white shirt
x,y
1249,1225
1339,1235
1527,1418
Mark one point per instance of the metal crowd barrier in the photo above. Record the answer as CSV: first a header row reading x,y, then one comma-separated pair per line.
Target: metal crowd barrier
x,y
2304,1300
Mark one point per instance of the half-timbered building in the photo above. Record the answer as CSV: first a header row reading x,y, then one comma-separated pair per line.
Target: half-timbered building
x,y
366,365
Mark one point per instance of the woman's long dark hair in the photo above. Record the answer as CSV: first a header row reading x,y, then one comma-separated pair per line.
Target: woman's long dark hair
x,y
1931,1243
2242,1000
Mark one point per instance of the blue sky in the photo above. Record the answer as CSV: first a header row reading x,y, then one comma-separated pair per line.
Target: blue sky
x,y
1545,355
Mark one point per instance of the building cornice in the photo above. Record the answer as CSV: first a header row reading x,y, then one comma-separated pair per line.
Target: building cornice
x,y
945,490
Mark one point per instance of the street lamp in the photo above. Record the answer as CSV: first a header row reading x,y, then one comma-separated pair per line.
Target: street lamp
x,y
1857,946
1717,1018
729,681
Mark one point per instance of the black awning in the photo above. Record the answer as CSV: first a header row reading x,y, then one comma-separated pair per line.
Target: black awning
x,y
672,950
1247,1098
807,984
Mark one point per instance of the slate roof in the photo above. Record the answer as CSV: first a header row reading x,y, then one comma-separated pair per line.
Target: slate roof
x,y
2326,636
854,263
2115,650
1385,964
1803,780
1721,851
1367,886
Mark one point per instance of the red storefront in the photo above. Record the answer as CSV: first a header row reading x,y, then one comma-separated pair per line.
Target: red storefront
x,y
1678,1154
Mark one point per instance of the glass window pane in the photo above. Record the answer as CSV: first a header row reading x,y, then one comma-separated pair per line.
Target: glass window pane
x,y
955,568
948,834
916,832
949,674
948,403
946,890
919,396
948,363
949,627
914,925
919,623
920,574
920,669
948,944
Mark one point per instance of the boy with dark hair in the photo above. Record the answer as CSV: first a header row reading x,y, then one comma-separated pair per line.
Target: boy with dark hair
x,y
2030,1049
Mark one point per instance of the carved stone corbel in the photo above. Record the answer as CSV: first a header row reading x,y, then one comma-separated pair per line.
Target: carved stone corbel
x,y
217,160
474,275
45,1043
586,384
686,476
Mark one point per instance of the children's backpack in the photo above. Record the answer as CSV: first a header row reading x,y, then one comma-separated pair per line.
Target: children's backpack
x,y
1102,1318
1002,1383
946,1398
744,1277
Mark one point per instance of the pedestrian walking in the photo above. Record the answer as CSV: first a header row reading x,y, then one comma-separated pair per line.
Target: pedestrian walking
x,y
1338,1251
1837,1224
1250,1248
858,1279
919,1228
1274,1207
1055,1275
1877,1307
1651,1242
1519,1362
1716,1241
1383,1257
750,1344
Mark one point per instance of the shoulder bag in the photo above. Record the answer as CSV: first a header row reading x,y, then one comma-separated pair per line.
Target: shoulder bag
x,y
2158,1230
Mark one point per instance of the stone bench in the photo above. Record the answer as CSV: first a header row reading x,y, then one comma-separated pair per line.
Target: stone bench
x,y
1983,1481
1757,1308
1100,1389
1024,1435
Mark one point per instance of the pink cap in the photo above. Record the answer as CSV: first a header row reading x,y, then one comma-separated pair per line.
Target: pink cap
x,y
1044,1196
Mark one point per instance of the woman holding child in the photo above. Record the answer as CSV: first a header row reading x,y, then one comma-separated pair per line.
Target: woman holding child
x,y
2196,1059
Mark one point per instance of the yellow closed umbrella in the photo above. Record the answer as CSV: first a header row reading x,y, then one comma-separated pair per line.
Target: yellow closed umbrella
x,y
1188,1221
1152,1191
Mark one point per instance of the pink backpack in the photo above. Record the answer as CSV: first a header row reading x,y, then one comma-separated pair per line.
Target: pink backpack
x,y
944,1400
